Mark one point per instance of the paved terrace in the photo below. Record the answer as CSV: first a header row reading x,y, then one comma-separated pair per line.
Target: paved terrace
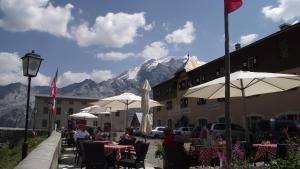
x,y
68,156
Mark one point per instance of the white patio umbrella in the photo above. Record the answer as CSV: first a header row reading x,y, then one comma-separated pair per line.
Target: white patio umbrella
x,y
124,101
83,115
146,124
243,84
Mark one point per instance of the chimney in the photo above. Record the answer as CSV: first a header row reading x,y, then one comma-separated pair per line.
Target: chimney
x,y
284,26
237,46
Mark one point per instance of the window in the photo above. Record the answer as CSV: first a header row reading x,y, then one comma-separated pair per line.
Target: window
x,y
106,115
117,114
158,122
70,111
221,120
95,123
221,99
58,101
45,110
44,123
252,121
169,105
170,123
202,122
290,116
158,108
201,101
197,81
184,102
219,127
284,50
58,110
71,102
251,63
84,103
46,101
183,84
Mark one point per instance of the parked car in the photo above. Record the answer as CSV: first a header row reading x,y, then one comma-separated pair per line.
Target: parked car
x,y
237,131
158,132
184,131
273,129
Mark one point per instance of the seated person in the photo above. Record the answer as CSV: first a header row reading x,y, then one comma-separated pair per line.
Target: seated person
x,y
175,143
99,134
81,133
127,138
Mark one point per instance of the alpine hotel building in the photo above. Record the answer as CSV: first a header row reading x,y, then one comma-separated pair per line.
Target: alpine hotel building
x,y
277,53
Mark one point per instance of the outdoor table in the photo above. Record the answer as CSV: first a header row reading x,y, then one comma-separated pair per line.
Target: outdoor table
x,y
117,149
105,142
264,150
207,154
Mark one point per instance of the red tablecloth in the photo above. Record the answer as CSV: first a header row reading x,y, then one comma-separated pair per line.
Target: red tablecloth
x,y
207,154
105,142
118,148
264,150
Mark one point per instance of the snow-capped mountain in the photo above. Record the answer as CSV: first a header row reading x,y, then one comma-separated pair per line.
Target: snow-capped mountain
x,y
13,96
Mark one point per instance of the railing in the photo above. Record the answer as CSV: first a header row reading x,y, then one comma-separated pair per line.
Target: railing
x,y
45,155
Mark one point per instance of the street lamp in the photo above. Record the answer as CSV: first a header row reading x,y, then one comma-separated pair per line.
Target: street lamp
x,y
31,64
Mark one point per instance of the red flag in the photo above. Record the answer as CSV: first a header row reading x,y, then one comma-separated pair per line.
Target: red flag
x,y
232,5
54,91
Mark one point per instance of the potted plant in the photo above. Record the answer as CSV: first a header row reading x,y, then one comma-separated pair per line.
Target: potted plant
x,y
160,154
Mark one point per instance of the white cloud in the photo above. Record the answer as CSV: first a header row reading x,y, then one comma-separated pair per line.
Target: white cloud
x,y
156,50
166,26
184,35
149,27
37,15
70,77
11,71
287,10
114,56
111,30
247,39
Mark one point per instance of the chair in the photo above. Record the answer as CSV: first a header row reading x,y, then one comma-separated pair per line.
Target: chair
x,y
141,150
79,150
94,155
282,151
174,152
127,141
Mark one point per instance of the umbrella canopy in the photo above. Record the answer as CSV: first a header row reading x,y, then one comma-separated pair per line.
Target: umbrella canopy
x,y
245,83
83,115
146,126
124,101
96,109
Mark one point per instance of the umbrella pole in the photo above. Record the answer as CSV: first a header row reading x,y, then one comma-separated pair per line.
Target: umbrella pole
x,y
245,111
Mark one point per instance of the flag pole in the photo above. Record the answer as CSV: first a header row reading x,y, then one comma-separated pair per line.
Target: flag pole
x,y
227,90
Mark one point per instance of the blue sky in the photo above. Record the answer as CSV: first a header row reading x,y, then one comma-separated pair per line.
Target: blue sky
x,y
98,39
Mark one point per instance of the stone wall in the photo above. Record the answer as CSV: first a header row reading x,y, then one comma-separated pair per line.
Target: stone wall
x,y
45,155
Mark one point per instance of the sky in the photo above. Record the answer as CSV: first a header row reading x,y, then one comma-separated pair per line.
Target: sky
x,y
99,39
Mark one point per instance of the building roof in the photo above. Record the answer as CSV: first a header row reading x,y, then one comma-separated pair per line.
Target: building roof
x,y
190,64
67,97
281,31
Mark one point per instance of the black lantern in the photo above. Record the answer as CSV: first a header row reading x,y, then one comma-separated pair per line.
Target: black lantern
x,y
31,64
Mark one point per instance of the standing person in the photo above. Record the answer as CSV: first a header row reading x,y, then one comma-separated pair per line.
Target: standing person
x,y
81,132
206,138
284,137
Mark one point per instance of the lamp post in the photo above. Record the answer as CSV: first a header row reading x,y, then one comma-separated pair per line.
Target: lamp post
x,y
31,64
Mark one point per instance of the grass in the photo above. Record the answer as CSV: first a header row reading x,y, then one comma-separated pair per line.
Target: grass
x,y
10,157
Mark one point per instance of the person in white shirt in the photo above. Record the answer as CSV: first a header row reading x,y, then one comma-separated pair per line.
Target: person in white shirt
x,y
81,132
